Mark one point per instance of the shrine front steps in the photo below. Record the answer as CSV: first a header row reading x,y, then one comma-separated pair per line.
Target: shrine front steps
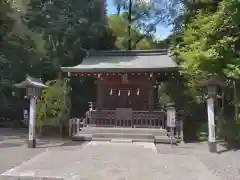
x,y
123,134
123,130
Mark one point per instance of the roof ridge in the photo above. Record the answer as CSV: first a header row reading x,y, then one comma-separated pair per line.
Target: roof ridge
x,y
128,52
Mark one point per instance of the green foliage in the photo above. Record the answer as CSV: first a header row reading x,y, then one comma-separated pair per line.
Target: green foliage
x,y
53,106
202,131
229,130
38,37
145,16
19,55
119,26
189,9
207,41
69,27
206,45
6,21
165,98
6,25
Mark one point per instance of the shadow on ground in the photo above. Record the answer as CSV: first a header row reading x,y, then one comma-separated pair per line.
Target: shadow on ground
x,y
227,147
10,144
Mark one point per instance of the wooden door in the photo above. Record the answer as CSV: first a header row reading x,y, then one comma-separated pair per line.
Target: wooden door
x,y
124,117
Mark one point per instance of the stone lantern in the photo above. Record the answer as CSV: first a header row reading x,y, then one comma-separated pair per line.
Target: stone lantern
x,y
33,88
211,85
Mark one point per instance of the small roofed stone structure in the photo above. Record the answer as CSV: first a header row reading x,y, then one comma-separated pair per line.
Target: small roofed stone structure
x,y
127,86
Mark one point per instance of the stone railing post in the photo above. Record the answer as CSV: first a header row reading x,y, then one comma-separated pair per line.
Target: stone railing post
x,y
78,125
171,120
90,106
70,128
181,130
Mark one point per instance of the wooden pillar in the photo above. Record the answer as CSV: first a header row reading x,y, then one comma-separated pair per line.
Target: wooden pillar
x,y
150,98
100,94
151,92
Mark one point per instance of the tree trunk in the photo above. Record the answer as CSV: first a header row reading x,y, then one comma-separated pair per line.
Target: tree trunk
x,y
129,25
61,130
235,100
40,129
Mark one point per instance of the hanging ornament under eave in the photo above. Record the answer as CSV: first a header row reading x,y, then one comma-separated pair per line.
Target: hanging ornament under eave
x,y
129,92
110,93
138,92
119,92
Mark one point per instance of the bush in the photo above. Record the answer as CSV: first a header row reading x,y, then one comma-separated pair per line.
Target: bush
x,y
202,131
53,106
230,132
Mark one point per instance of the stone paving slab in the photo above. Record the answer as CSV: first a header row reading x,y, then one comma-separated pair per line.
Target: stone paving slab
x,y
13,152
110,161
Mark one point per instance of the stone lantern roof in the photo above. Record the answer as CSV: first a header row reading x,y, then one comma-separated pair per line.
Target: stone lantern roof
x,y
213,80
31,82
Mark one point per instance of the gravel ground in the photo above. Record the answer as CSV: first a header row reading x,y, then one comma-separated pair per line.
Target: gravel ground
x,y
225,164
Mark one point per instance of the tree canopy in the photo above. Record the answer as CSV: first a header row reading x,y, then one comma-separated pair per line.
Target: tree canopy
x,y
37,37
119,26
207,42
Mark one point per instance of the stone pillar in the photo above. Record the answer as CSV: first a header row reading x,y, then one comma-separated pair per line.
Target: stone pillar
x,y
181,131
32,123
211,125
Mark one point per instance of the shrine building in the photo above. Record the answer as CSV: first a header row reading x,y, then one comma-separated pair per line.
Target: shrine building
x,y
127,86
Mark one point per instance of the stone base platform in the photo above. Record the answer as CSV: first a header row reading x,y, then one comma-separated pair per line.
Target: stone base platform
x,y
131,134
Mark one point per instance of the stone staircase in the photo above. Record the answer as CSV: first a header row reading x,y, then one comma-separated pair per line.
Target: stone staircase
x,y
123,134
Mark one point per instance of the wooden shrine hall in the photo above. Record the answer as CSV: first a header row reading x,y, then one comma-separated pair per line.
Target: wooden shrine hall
x,y
127,86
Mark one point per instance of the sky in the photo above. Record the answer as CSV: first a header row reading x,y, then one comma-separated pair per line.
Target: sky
x,y
162,31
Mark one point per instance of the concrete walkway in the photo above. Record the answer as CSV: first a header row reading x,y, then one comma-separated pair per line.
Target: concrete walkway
x,y
110,161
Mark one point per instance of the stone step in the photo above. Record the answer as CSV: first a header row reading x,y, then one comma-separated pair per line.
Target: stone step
x,y
122,140
132,138
123,136
126,134
82,137
164,140
143,140
97,130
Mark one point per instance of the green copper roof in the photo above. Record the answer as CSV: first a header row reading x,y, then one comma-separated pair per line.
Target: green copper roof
x,y
122,61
